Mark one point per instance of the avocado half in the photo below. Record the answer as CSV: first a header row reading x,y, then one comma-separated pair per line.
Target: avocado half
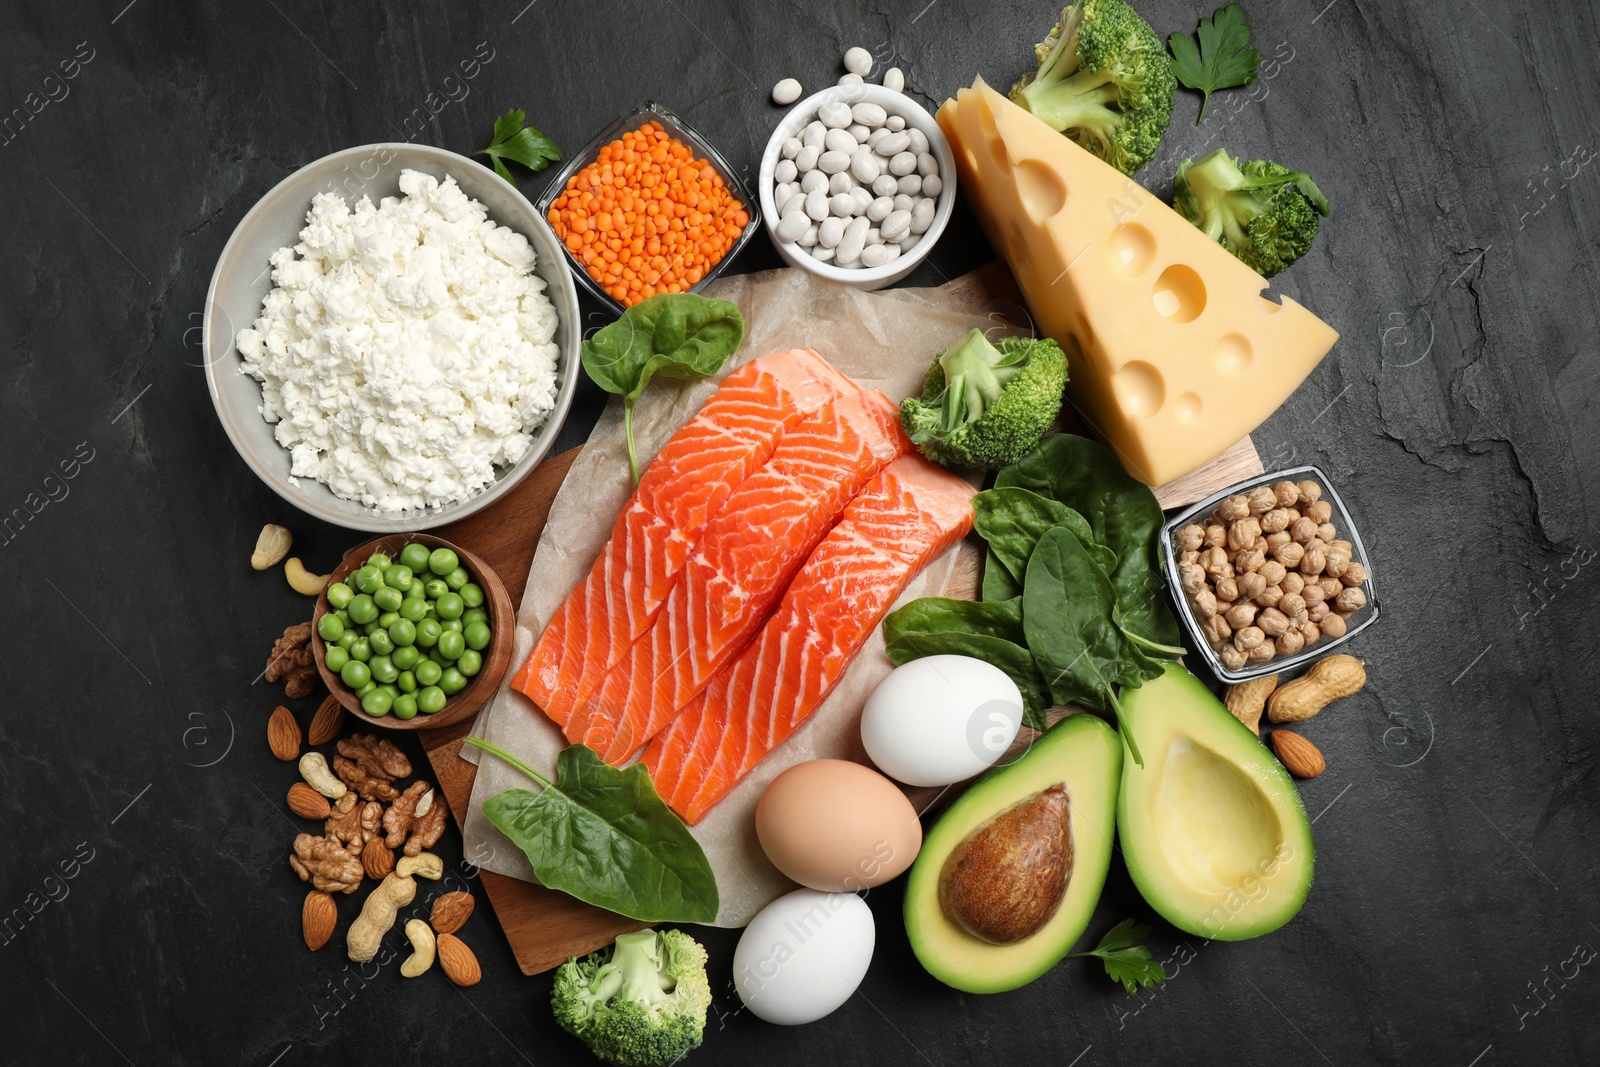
x,y
1085,755
1212,827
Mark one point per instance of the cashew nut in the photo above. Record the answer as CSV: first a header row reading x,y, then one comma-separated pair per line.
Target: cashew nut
x,y
377,915
420,934
302,580
271,546
423,865
314,769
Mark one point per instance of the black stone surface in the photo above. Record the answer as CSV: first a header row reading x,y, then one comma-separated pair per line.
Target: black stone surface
x,y
1453,920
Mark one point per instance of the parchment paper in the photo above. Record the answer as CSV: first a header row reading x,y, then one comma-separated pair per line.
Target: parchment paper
x,y
882,340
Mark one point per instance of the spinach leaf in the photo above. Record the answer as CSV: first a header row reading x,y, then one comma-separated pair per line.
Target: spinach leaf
x,y
1123,515
605,836
1012,520
674,335
990,631
1067,601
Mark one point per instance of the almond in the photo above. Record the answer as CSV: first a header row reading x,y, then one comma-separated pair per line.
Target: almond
x,y
283,734
460,965
450,912
318,916
377,859
307,802
326,722
1299,756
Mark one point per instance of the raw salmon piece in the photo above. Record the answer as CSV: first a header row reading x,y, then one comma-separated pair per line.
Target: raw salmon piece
x,y
689,480
744,562
912,512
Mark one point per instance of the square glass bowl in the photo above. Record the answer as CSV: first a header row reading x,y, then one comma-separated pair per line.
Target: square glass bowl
x,y
675,127
1340,518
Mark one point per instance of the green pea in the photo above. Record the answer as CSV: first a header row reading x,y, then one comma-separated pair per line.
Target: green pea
x,y
355,674
407,682
366,579
398,577
361,650
449,606
472,615
403,632
451,645
415,556
381,643
336,657
477,635
371,628
470,663
343,616
453,682
378,560
364,690
377,702
428,631
390,688
428,672
434,588
388,599
405,706
431,699
383,669
442,561
471,594
339,594
413,609
406,656
350,637
457,578
453,626
363,609
388,619
329,628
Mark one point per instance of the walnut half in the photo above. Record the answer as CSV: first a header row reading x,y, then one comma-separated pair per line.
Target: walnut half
x,y
419,812
293,662
369,766
325,864
354,823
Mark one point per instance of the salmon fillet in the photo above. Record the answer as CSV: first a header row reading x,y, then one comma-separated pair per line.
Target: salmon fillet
x,y
911,513
743,564
732,436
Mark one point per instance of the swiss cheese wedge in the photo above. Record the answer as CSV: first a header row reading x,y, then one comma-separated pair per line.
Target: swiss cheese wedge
x,y
1174,353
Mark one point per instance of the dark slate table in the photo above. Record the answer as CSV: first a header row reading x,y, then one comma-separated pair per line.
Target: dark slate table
x,y
1453,918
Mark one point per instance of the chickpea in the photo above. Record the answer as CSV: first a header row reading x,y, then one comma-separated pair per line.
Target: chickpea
x,y
1337,563
1191,537
1293,604
1312,593
1311,632
1233,507
1249,561
1326,531
1228,589
1192,576
1313,561
1261,545
1302,530
1310,492
1231,657
1270,597
1289,642
1224,571
1213,560
1241,615
1272,622
1205,603
1262,500
1289,555
1243,533
1343,546
1250,586
1288,494
1250,637
1333,626
1277,540
1272,572
1276,519
1216,630
1331,587
1292,584
1317,543
1318,611
1319,510
1262,652
1354,575
1191,556
1352,599
1216,536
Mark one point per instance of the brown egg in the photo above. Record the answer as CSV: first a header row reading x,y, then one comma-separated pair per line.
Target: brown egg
x,y
837,826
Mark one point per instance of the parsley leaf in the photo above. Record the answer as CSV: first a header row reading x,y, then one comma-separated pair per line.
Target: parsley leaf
x,y
1223,59
1125,960
520,144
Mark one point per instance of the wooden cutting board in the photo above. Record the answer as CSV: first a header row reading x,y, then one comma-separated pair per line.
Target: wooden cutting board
x,y
544,927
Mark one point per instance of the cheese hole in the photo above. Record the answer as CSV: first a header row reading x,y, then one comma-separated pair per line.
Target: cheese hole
x,y
1179,294
1188,407
1040,189
1231,355
1131,249
1139,388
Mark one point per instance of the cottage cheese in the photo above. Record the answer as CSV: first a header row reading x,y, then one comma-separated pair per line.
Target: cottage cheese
x,y
405,350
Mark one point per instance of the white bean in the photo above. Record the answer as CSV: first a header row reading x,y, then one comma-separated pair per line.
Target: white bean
x,y
840,183
858,131
785,171
869,114
830,231
838,141
834,114
812,134
783,191
807,159
886,185
879,209
816,206
862,198
791,147
896,123
858,61
896,225
893,144
864,165
910,185
894,79
902,163
879,255
909,241
847,264
851,79
834,162
812,180
842,205
874,138
822,254
922,216
927,164
796,203
932,185
874,236
854,240
904,203
919,140
786,92
809,238
793,226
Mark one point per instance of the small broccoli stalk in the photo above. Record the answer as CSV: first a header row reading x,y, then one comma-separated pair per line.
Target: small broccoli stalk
x,y
1105,80
1264,213
986,405
642,1003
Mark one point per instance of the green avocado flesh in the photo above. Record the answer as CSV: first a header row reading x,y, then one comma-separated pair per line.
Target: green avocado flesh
x,y
1082,754
1212,826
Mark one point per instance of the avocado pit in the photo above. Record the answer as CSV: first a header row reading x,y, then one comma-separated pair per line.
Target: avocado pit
x,y
1004,881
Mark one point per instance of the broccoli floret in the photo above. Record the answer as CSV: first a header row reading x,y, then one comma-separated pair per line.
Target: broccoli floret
x,y
986,405
1105,80
641,1003
1265,214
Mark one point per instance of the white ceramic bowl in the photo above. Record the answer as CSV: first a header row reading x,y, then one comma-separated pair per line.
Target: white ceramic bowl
x,y
916,118
242,279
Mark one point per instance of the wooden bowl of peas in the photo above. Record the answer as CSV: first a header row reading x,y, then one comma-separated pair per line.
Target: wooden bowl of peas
x,y
412,632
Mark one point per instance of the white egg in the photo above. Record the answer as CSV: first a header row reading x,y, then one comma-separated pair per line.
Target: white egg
x,y
941,719
803,955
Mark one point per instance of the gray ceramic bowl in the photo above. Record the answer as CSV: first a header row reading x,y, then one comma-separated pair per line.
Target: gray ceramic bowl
x,y
242,280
